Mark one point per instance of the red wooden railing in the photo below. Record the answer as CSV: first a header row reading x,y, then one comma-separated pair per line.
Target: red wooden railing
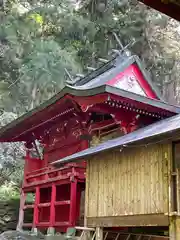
x,y
57,196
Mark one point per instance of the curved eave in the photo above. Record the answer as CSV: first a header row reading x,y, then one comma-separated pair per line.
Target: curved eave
x,y
7,132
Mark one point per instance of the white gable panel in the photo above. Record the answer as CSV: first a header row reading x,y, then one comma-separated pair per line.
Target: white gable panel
x,y
129,83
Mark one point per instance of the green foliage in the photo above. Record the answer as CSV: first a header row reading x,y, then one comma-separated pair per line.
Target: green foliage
x,y
33,61
9,192
52,35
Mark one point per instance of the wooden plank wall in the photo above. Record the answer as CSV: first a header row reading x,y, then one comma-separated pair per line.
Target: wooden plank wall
x,y
131,182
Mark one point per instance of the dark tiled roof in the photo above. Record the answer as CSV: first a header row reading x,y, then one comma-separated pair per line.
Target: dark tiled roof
x,y
110,70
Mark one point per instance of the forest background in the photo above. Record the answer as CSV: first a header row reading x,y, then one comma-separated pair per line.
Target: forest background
x,y
40,38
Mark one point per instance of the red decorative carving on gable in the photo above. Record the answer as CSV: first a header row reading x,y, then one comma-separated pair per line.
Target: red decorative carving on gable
x,y
132,80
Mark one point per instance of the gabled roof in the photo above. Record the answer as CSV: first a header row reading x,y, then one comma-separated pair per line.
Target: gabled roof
x,y
170,8
110,70
18,129
96,83
163,130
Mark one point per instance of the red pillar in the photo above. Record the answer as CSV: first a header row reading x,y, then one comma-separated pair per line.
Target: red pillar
x,y
73,203
36,210
52,208
26,166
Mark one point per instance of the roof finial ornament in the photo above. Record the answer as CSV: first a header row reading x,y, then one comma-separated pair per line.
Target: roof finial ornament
x,y
68,74
71,79
118,40
123,49
103,60
80,75
91,68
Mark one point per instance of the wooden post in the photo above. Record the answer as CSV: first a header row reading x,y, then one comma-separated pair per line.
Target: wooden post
x,y
36,210
73,202
174,228
86,195
51,229
99,233
178,227
21,210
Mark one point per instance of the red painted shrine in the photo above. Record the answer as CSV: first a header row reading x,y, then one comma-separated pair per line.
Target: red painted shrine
x,y
116,98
